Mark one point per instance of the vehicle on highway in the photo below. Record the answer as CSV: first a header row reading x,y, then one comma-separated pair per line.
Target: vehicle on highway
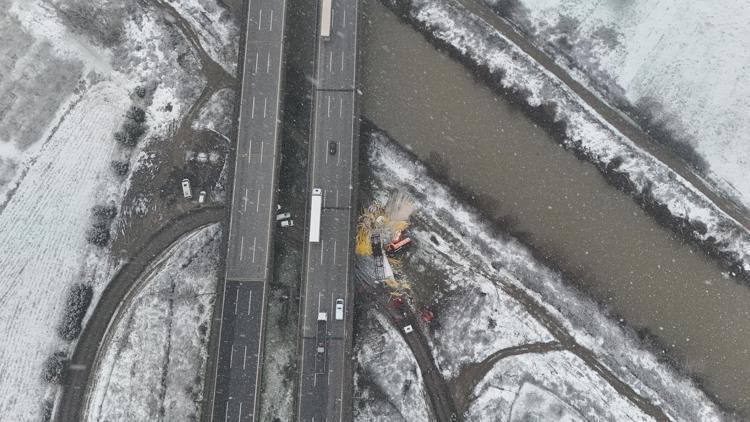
x,y
408,329
202,197
186,191
316,205
339,309
325,19
286,223
321,336
283,216
333,147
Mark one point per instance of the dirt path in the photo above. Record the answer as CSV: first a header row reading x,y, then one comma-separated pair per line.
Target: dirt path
x,y
217,78
568,342
83,363
612,116
438,392
463,385
172,153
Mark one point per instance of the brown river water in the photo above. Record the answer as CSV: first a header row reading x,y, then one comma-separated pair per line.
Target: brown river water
x,y
643,272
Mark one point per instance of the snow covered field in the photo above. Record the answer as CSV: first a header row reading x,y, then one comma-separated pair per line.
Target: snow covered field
x,y
552,386
388,382
44,248
452,239
683,65
162,336
69,82
586,132
477,325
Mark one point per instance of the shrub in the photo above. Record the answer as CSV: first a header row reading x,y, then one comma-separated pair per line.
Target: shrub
x,y
99,234
55,368
136,114
76,305
133,131
120,137
104,212
103,215
121,168
47,407
140,91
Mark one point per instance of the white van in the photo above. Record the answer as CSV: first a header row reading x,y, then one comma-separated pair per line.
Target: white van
x,y
186,191
339,309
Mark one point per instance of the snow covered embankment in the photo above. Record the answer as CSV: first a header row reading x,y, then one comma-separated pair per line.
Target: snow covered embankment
x,y
387,367
662,191
162,337
474,254
677,67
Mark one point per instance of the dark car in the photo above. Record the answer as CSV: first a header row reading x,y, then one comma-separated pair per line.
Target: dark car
x,y
333,147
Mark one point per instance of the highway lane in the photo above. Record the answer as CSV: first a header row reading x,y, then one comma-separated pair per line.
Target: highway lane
x,y
336,66
249,246
325,378
335,122
238,366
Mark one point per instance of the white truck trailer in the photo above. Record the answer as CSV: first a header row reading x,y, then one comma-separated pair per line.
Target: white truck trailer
x,y
325,19
316,205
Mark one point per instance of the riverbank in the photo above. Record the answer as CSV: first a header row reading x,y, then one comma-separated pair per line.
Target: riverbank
x,y
665,195
508,162
482,272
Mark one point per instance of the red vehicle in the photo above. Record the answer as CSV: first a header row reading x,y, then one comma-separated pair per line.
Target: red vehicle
x,y
397,243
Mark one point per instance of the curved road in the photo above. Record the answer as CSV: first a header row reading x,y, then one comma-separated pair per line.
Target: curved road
x,y
119,288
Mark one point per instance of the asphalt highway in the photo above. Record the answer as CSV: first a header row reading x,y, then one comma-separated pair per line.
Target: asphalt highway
x,y
325,378
249,250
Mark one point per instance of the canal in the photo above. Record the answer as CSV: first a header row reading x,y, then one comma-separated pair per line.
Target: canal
x,y
562,207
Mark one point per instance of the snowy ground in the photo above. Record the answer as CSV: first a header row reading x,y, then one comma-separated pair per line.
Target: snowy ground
x,y
682,64
44,248
218,33
216,115
280,354
66,86
552,386
388,382
453,240
476,323
585,131
162,336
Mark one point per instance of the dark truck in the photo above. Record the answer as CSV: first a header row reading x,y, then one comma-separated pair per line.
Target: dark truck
x,y
321,337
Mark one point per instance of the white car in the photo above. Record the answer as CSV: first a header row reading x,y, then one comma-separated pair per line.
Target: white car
x,y
339,309
287,223
408,329
202,197
186,191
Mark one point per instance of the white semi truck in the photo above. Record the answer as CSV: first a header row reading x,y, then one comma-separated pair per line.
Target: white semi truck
x,y
325,19
316,205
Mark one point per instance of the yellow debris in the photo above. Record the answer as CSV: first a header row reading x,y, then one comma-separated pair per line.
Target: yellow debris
x,y
362,242
391,283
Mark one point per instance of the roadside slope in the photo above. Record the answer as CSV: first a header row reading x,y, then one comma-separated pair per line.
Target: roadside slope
x,y
83,361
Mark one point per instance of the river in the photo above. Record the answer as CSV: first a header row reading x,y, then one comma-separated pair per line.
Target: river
x,y
598,236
